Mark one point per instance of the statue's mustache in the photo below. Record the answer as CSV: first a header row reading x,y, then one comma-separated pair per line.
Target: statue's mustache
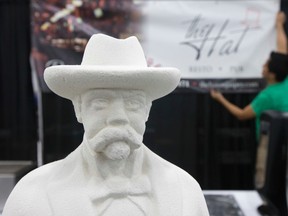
x,y
112,134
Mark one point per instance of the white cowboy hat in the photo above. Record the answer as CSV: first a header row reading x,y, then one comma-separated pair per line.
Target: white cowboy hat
x,y
110,63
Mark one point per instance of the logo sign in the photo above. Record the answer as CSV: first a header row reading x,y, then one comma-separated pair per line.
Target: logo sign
x,y
210,39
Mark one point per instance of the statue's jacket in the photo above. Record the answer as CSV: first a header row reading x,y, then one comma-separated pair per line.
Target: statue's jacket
x,y
62,188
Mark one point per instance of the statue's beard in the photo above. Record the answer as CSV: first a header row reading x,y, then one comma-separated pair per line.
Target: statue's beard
x,y
115,143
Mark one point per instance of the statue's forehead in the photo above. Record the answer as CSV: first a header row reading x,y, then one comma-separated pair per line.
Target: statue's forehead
x,y
93,93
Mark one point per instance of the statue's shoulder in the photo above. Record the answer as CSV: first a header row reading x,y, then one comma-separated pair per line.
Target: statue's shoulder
x,y
49,172
40,175
160,164
180,182
28,193
37,179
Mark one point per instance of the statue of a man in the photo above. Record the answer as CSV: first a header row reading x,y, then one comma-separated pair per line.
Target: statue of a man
x,y
112,172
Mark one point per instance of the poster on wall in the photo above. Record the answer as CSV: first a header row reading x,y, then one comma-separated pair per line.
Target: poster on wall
x,y
62,28
215,43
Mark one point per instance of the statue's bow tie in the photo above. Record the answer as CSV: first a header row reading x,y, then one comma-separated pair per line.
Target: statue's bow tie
x,y
120,187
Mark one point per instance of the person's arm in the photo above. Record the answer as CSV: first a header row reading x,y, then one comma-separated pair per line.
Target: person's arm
x,y
280,33
241,114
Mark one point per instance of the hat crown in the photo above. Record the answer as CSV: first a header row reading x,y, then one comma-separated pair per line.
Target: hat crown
x,y
103,50
110,63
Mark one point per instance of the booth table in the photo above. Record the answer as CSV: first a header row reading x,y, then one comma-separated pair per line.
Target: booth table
x,y
244,203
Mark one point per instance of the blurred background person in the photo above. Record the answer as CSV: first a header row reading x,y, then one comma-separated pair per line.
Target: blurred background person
x,y
274,96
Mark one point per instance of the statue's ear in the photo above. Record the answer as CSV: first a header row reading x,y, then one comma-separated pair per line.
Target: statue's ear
x,y
148,107
77,108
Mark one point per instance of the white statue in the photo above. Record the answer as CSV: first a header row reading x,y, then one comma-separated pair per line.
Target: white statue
x,y
112,172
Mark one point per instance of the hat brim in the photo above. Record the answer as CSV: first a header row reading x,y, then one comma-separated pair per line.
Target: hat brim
x,y
69,81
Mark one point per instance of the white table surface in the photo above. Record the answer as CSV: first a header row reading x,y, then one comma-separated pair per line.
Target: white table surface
x,y
248,200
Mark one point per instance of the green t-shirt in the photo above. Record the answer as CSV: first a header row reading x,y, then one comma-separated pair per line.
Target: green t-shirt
x,y
273,97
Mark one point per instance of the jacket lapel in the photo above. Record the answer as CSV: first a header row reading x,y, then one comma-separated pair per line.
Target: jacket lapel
x,y
165,185
71,195
69,201
67,191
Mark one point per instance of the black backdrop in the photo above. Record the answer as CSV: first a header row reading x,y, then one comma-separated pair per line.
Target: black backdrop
x,y
186,128
17,109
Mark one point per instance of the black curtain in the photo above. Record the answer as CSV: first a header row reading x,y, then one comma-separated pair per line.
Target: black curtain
x,y
17,110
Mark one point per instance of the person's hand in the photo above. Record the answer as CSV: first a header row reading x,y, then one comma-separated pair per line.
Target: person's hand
x,y
280,18
216,95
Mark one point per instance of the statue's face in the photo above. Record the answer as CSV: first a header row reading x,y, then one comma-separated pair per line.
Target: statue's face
x,y
114,121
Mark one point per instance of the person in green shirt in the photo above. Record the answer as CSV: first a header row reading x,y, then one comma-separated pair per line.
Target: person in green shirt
x,y
275,95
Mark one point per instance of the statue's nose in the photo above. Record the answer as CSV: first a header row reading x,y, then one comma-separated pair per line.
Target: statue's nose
x,y
117,115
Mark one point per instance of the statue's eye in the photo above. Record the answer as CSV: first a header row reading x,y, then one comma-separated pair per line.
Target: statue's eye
x,y
133,104
100,103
